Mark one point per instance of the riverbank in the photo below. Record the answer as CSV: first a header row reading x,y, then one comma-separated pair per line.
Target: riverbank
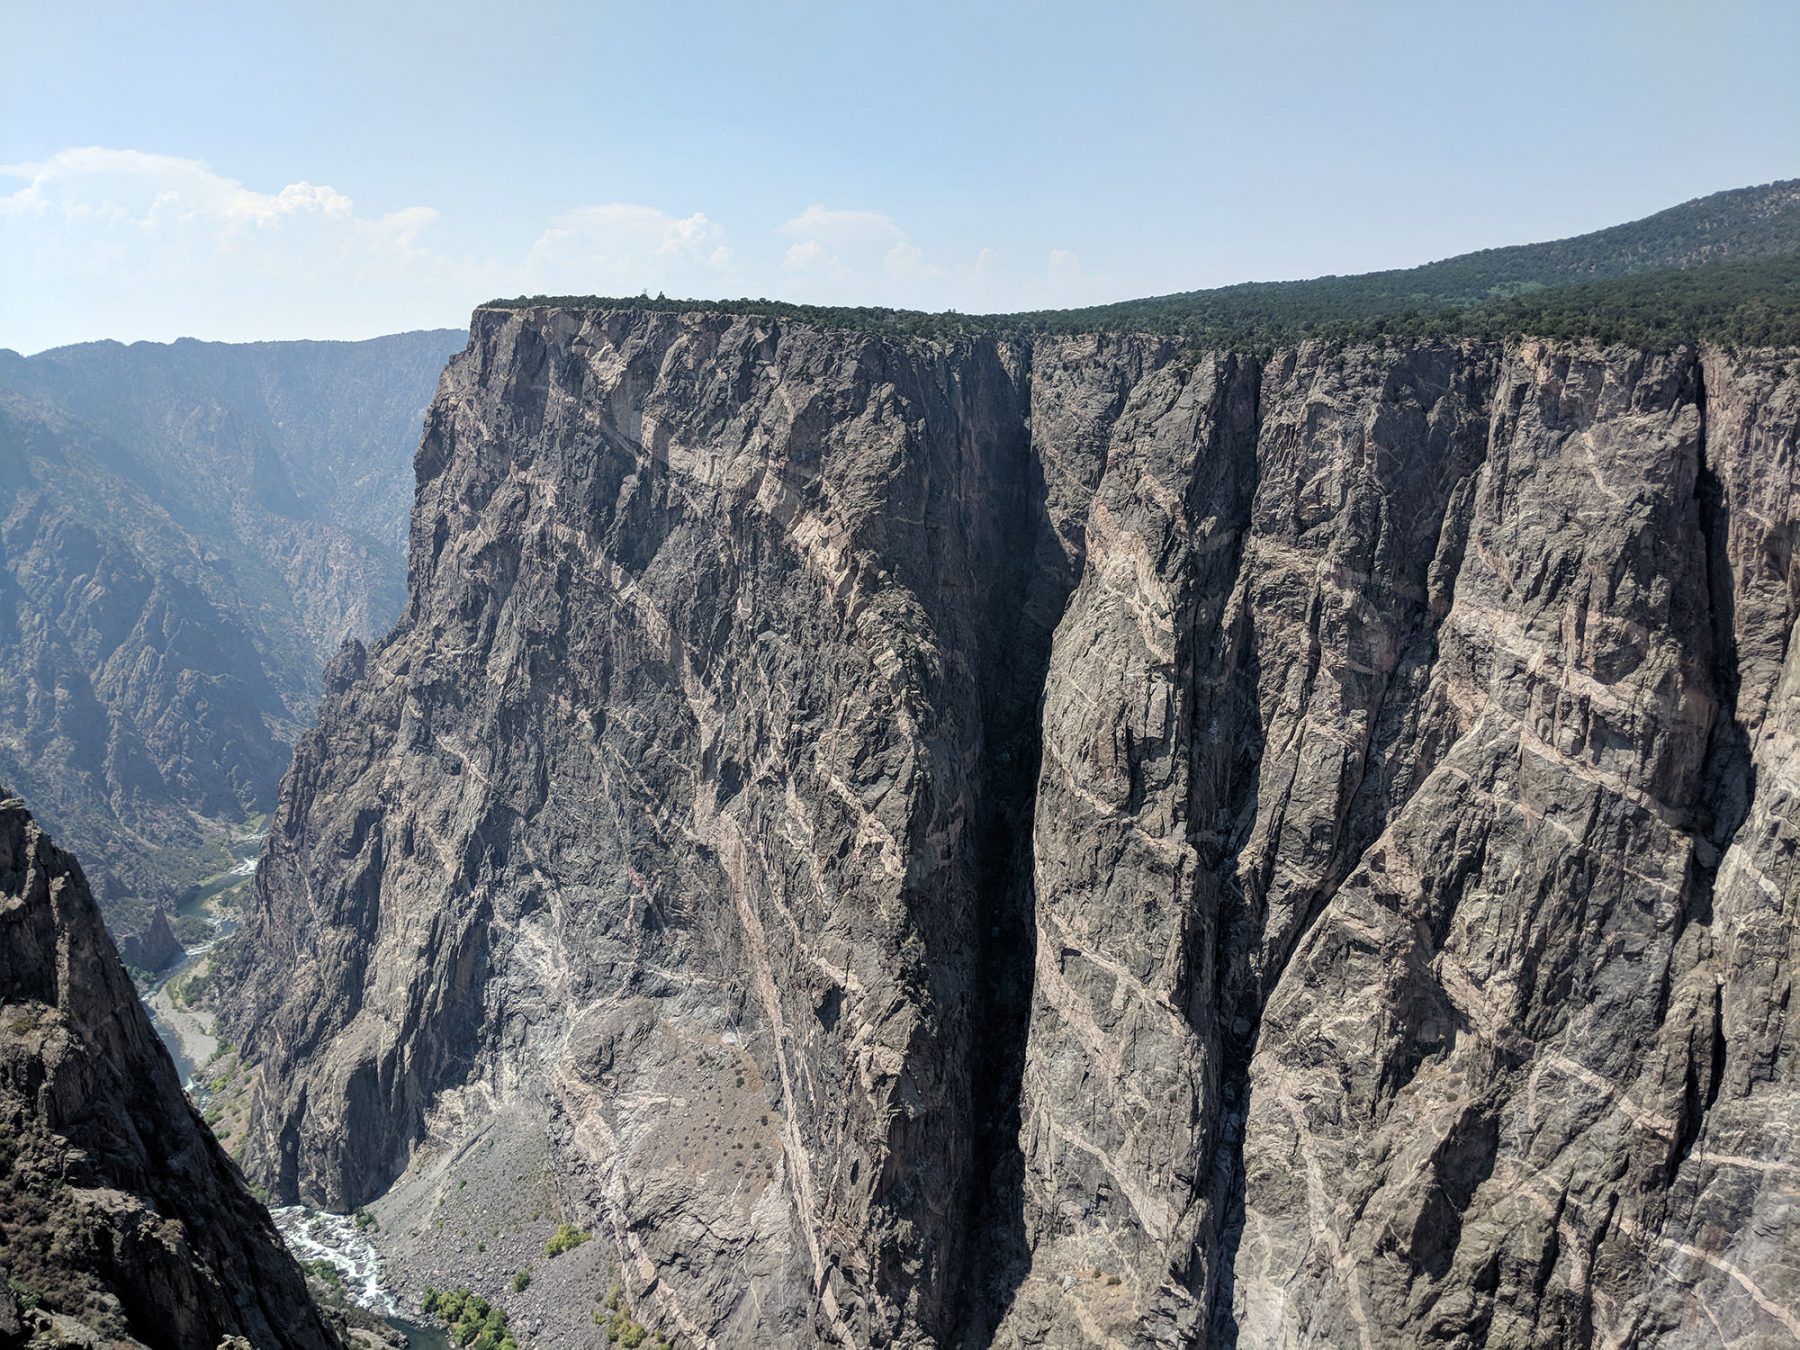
x,y
211,912
189,1034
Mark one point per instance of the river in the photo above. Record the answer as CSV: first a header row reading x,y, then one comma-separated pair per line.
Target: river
x,y
192,1039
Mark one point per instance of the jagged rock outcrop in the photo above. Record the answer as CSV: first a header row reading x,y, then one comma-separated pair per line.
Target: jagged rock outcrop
x,y
121,1217
1066,841
187,533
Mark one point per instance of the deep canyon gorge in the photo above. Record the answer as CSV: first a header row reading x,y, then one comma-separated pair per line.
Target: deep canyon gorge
x,y
1261,817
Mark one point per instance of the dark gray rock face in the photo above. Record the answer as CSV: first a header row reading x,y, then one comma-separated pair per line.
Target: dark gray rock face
x,y
1072,841
1380,996
187,532
120,1214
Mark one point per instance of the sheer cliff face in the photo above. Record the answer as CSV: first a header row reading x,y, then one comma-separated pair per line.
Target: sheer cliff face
x,y
119,1213
1068,841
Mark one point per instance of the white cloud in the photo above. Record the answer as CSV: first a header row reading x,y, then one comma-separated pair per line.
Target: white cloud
x,y
836,250
845,226
867,257
858,257
906,262
122,243
804,257
622,249
105,242
160,195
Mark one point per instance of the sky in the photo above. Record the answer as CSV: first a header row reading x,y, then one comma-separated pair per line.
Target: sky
x,y
245,171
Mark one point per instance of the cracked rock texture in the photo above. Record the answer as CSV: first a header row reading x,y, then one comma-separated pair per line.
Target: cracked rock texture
x,y
121,1217
1074,841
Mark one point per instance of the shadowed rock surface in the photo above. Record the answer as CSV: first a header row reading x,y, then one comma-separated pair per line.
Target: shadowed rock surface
x,y
1071,840
120,1214
187,533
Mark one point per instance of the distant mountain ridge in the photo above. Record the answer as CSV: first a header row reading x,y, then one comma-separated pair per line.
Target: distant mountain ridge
x,y
1494,292
188,532
301,432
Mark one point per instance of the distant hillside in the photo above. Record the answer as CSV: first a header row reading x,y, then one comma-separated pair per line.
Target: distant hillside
x,y
1629,274
187,533
294,458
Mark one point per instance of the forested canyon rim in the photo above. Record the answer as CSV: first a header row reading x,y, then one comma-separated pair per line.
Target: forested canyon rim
x,y
1059,840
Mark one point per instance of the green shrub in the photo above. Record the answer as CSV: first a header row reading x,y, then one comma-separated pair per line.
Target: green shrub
x,y
325,1271
566,1238
471,1319
521,1281
622,1328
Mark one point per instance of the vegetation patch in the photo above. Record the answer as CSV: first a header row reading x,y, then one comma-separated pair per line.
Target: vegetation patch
x,y
221,1091
48,1242
621,1328
566,1238
192,929
327,1274
190,990
472,1320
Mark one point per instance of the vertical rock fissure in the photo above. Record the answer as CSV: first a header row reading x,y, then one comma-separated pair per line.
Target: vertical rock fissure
x,y
1007,935
1728,772
1222,832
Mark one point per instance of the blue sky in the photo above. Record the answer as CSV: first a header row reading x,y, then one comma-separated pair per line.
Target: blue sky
x,y
277,170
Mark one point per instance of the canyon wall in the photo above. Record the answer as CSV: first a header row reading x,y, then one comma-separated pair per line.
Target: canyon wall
x,y
1067,841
